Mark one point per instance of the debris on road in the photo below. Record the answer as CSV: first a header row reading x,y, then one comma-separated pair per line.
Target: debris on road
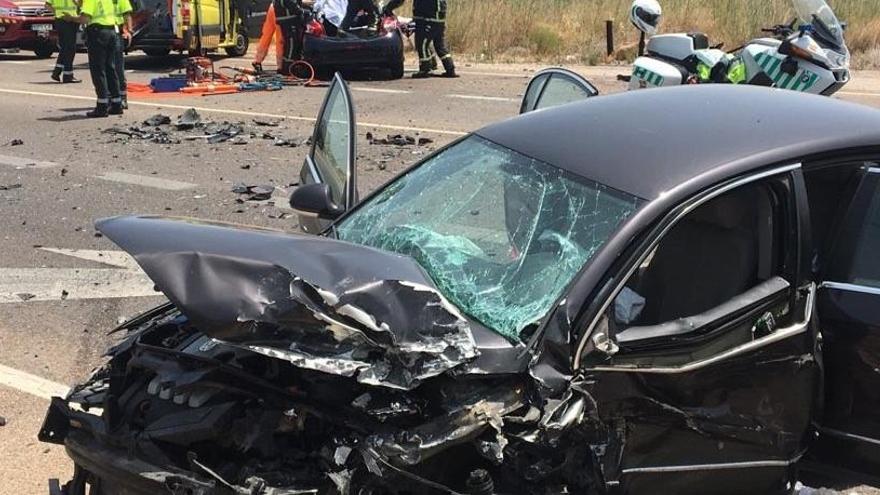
x,y
157,120
253,193
16,142
9,187
2,421
189,119
190,126
398,140
267,123
24,296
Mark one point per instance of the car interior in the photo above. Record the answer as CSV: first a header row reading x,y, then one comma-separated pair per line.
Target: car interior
x,y
721,250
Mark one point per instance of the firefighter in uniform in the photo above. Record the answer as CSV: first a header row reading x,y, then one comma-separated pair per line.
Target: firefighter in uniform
x,y
290,17
123,39
101,32
66,39
430,17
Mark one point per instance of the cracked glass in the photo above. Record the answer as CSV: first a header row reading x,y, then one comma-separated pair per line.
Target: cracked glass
x,y
502,235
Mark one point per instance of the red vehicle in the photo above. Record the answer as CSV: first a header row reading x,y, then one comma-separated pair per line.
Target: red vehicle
x,y
27,25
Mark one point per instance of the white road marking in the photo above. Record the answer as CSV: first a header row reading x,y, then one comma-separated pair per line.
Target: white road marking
x,y
19,285
859,93
486,98
524,75
146,181
381,90
23,163
119,259
235,112
31,384
16,62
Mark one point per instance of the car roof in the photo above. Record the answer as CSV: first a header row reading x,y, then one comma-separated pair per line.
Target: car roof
x,y
648,142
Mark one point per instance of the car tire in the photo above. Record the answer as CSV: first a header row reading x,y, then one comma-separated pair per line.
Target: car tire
x,y
44,50
157,52
397,70
242,42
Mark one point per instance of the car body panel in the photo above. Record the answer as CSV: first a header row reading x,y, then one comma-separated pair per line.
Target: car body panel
x,y
350,51
634,144
848,302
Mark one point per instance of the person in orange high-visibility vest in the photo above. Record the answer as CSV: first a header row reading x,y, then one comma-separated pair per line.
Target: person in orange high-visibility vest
x,y
270,30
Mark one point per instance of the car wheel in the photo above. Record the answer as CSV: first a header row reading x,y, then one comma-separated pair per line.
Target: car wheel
x,y
157,52
397,69
44,50
241,45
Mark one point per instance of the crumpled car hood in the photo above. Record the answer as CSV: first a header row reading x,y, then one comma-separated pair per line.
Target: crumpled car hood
x,y
319,303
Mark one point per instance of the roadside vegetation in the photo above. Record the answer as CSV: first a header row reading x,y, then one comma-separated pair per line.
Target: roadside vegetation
x,y
573,31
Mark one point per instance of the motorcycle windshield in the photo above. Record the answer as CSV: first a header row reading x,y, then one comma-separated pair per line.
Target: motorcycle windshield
x,y
820,15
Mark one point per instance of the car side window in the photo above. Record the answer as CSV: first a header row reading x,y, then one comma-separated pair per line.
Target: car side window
x,y
865,269
332,146
728,252
856,256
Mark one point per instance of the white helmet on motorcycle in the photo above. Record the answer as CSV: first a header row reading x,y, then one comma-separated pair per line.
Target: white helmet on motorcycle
x,y
645,15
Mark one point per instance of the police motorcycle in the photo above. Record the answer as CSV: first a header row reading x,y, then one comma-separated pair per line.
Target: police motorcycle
x,y
807,55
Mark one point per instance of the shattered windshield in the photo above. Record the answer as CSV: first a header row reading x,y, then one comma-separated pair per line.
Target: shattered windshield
x,y
500,234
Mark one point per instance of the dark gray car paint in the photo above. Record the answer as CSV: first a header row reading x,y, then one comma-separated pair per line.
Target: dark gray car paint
x,y
282,294
651,143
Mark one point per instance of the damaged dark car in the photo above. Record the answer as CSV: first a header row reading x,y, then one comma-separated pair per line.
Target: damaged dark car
x,y
671,289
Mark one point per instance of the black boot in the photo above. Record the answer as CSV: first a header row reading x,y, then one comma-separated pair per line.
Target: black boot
x,y
115,109
100,111
56,75
70,79
424,71
449,67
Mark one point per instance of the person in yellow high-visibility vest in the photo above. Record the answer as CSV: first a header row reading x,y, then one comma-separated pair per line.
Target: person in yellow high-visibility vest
x,y
102,35
67,30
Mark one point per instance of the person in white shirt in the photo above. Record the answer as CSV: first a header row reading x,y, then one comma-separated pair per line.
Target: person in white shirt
x,y
342,13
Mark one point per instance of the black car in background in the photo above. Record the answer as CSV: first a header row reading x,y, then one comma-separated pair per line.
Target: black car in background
x,y
672,291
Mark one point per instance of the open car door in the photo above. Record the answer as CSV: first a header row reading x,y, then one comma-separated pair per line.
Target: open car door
x,y
328,186
849,298
553,87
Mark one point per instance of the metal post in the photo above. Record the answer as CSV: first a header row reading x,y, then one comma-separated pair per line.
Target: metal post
x,y
609,36
642,44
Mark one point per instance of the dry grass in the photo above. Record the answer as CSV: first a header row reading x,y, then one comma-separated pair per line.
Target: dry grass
x,y
574,30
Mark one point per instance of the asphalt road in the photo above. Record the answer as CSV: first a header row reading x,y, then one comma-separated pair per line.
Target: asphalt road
x,y
62,286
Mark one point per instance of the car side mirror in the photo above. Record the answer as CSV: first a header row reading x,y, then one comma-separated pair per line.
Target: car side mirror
x,y
314,200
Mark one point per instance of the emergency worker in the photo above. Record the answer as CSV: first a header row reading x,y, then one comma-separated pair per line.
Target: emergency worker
x,y
100,17
290,16
270,29
67,30
123,40
430,17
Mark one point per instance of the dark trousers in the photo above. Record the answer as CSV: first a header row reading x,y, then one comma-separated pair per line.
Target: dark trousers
x,y
431,40
102,63
351,13
292,31
66,45
119,63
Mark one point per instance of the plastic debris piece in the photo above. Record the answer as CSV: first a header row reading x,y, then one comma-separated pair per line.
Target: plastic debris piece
x,y
188,119
157,120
